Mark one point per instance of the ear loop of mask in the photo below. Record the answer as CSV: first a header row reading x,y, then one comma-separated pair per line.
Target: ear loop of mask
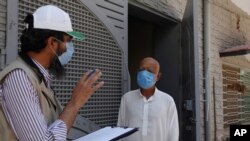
x,y
57,67
54,50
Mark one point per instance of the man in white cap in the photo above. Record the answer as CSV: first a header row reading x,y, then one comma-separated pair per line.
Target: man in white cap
x,y
29,110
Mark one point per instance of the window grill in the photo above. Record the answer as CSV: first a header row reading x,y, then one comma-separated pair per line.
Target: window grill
x,y
245,77
231,97
236,95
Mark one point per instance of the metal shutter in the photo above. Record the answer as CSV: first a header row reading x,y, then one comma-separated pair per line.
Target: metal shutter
x,y
3,10
99,50
114,15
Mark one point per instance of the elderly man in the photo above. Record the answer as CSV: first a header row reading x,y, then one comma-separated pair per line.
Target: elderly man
x,y
29,110
148,108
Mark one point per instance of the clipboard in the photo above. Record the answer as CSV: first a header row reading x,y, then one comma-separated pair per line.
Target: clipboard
x,y
108,134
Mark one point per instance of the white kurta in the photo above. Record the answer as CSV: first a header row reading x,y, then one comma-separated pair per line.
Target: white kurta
x,y
156,117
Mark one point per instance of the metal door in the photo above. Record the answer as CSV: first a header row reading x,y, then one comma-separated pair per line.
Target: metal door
x,y
191,128
102,49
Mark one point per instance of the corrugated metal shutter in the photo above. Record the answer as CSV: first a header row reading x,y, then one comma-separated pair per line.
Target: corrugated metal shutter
x,y
114,15
3,10
99,50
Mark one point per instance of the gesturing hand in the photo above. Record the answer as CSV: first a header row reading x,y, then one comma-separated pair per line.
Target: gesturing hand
x,y
85,87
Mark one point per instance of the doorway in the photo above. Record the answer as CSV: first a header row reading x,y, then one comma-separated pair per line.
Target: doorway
x,y
152,35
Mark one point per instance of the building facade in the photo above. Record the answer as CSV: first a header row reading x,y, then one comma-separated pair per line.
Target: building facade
x,y
228,28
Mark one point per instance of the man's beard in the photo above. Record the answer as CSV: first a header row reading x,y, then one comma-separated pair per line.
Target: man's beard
x,y
57,69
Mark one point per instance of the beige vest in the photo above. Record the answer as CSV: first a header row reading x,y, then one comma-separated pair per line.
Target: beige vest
x,y
50,106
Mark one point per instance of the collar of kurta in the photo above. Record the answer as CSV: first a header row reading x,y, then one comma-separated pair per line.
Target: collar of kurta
x,y
151,98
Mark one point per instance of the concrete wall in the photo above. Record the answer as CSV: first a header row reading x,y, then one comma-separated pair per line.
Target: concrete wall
x,y
3,9
172,8
229,27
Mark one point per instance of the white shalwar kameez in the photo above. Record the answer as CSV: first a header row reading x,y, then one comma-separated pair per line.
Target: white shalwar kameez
x,y
155,117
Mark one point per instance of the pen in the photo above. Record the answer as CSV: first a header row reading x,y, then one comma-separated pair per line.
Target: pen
x,y
93,71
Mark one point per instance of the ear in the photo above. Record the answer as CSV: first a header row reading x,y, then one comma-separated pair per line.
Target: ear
x,y
158,76
52,43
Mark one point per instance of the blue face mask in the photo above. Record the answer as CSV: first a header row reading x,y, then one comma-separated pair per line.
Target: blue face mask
x,y
145,79
66,56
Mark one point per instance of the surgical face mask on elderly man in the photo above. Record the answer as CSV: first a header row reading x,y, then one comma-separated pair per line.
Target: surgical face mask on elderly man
x,y
145,79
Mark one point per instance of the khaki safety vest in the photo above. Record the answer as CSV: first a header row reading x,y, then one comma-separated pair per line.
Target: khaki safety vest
x,y
50,106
